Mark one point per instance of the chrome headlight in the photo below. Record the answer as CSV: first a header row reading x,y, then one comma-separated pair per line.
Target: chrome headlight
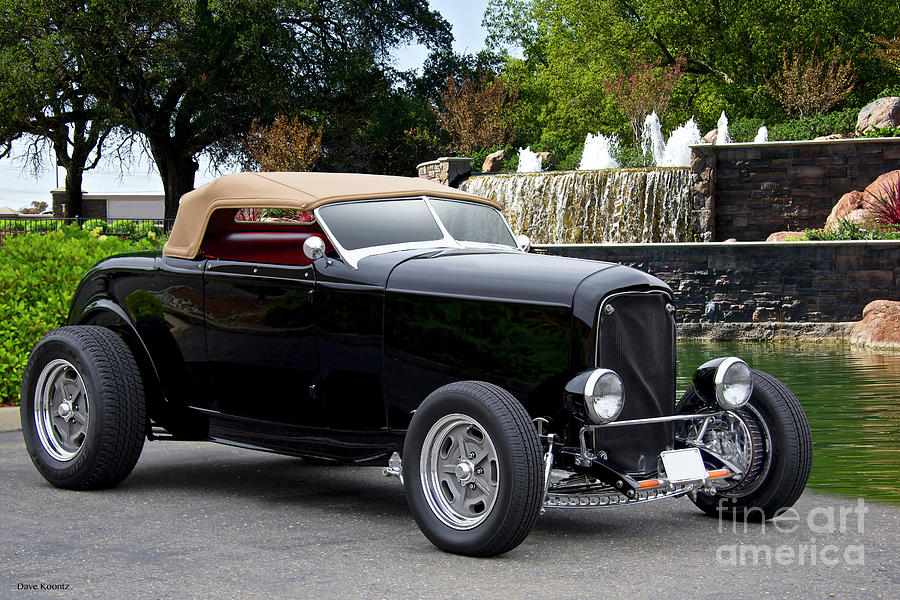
x,y
727,382
733,383
597,396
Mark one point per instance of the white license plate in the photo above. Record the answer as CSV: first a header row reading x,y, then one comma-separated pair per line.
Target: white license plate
x,y
683,465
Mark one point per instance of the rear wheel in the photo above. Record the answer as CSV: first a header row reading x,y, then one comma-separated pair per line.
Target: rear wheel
x,y
770,440
82,408
472,469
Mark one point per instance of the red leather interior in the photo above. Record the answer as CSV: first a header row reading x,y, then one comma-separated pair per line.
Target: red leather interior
x,y
274,247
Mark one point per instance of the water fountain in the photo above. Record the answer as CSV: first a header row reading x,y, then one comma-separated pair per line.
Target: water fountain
x,y
762,136
652,140
723,136
529,162
598,152
676,152
601,203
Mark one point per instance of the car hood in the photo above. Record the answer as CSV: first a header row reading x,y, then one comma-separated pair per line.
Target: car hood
x,y
502,276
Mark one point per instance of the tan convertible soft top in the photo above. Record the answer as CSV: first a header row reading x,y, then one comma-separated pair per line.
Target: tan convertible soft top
x,y
303,191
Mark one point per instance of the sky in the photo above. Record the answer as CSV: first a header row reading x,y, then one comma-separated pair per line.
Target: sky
x,y
19,187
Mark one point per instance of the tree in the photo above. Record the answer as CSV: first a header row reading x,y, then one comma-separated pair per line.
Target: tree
x,y
191,76
288,144
642,90
45,90
807,84
474,112
889,52
730,48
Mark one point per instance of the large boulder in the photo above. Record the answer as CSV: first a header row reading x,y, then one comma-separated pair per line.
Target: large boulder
x,y
494,161
884,112
854,206
784,236
880,325
712,136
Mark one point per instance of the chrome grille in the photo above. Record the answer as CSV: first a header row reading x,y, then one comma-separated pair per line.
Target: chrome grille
x,y
636,339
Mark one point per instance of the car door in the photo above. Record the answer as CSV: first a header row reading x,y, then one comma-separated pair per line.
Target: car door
x,y
261,341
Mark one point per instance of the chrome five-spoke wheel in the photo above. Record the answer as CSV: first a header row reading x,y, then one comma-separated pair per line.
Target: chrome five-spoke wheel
x,y
472,469
459,471
61,410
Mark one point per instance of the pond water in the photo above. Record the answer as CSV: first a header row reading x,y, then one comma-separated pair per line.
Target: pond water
x,y
851,396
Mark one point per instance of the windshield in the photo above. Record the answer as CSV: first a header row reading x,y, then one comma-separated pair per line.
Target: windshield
x,y
467,222
364,224
367,227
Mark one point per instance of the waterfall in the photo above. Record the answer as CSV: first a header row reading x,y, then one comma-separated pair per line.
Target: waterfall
x,y
598,152
762,136
613,205
529,162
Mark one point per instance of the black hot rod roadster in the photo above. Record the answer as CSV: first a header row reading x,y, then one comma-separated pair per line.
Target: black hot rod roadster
x,y
386,320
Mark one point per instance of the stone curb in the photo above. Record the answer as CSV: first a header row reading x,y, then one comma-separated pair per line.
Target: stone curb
x,y
9,418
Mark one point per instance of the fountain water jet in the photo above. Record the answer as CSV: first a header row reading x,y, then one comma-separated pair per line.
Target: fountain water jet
x,y
762,136
723,137
598,152
652,140
677,151
529,162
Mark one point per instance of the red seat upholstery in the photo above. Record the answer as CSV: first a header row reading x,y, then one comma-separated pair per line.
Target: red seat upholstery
x,y
275,247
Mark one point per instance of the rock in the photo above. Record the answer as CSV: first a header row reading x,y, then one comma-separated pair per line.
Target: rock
x,y
883,185
854,206
548,160
712,136
784,236
884,112
494,161
825,138
851,202
879,326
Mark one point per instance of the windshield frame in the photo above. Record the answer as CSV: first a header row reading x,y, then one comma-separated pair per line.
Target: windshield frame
x,y
447,241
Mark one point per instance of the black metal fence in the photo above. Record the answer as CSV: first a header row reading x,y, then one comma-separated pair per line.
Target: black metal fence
x,y
124,228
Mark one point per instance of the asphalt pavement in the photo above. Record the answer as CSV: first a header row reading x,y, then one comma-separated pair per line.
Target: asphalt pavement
x,y
198,520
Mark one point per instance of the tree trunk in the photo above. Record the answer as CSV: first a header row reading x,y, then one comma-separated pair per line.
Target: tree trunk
x,y
177,172
74,193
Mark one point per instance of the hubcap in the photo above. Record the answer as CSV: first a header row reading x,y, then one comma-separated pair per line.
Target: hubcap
x,y
459,471
61,410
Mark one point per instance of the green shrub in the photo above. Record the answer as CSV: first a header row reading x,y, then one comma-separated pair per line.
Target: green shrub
x,y
843,122
880,132
847,230
744,129
13,225
92,224
38,277
42,225
144,229
123,228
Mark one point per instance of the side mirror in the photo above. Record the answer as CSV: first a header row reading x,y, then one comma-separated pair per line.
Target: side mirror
x,y
524,242
314,247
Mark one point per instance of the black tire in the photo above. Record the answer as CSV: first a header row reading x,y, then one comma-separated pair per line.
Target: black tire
x,y
515,497
779,427
83,378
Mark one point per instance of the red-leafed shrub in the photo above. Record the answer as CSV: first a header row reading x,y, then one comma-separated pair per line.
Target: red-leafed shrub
x,y
886,205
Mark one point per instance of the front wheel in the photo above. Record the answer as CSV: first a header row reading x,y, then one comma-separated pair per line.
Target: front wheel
x,y
83,408
472,469
769,439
